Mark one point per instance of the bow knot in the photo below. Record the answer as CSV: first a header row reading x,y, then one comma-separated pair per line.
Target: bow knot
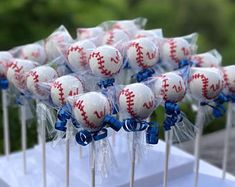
x,y
152,133
144,74
4,83
106,83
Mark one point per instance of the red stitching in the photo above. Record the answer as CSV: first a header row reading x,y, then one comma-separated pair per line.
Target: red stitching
x,y
165,86
116,59
35,77
227,83
149,104
110,38
80,50
58,85
172,45
99,114
215,87
139,54
100,62
178,88
152,55
79,105
199,60
129,95
15,66
205,83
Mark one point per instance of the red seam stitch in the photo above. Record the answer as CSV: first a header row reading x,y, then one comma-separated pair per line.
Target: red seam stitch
x,y
199,60
110,38
205,83
149,104
80,106
129,95
100,62
80,50
165,86
36,80
116,59
172,45
226,80
58,86
139,54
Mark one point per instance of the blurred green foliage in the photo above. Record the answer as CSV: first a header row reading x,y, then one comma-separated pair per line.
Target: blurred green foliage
x,y
26,21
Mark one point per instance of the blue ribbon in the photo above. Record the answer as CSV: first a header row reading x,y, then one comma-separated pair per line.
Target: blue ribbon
x,y
184,63
152,133
231,98
173,115
4,83
133,125
144,74
218,109
106,83
112,122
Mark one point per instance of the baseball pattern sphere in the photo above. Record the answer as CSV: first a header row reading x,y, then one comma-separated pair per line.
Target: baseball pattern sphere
x,y
174,50
33,52
144,34
38,75
205,83
170,86
78,54
142,53
105,61
205,60
64,87
229,79
55,44
86,33
137,100
16,72
115,36
5,58
127,26
90,110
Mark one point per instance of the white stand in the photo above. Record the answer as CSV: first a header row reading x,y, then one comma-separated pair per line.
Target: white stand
x,y
23,137
199,124
5,123
226,138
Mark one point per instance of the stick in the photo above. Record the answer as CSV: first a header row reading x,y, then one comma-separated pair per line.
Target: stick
x,y
133,158
92,151
167,154
24,137
226,139
67,156
5,123
199,124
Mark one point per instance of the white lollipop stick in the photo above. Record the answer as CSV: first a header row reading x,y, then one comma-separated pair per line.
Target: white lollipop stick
x,y
133,158
67,154
168,137
226,139
24,137
5,123
92,155
199,124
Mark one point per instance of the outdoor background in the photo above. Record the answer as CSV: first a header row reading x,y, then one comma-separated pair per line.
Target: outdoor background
x,y
26,21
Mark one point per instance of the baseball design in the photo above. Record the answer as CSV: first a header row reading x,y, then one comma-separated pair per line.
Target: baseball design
x,y
205,60
127,26
229,79
137,100
38,75
115,36
142,53
174,50
105,61
55,44
79,52
170,86
87,33
5,58
16,72
90,110
64,87
205,83
34,52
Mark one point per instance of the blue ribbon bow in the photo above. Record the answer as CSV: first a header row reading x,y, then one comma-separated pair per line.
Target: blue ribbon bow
x,y
133,125
4,83
152,133
173,115
144,74
106,83
112,122
184,63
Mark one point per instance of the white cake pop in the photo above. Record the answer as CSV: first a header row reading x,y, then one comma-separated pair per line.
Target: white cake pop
x,y
170,86
5,58
78,54
105,61
205,60
142,53
38,75
16,72
174,50
137,100
34,52
90,110
65,86
205,83
229,79
115,37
